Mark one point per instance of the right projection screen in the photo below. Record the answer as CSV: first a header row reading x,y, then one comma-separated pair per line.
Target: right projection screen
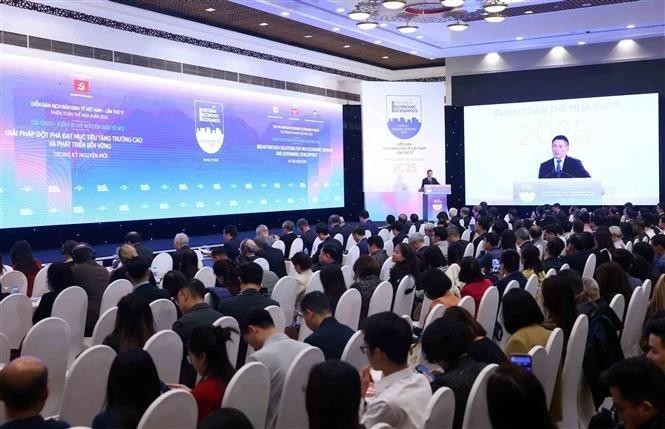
x,y
595,151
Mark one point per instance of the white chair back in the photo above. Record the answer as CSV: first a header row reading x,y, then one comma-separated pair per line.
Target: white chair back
x,y
440,411
389,246
340,238
468,251
15,318
350,242
6,269
551,272
86,384
175,409
404,296
513,284
629,246
207,298
405,241
296,247
564,267
316,244
646,288
45,342
40,285
5,351
207,276
488,309
480,248
352,353
314,283
381,299
291,412
426,240
368,233
114,292
468,304
466,235
412,230
249,392
233,344
285,293
532,285
263,263
71,305
385,269
541,250
304,331
162,263
571,376
164,313
618,305
104,326
279,244
554,350
475,414
353,255
199,256
348,308
632,327
384,234
589,266
436,313
347,273
277,316
165,348
14,281
424,308
539,363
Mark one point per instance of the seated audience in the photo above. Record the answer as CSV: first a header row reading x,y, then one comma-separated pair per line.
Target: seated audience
x,y
134,239
361,241
23,392
433,258
231,243
59,277
333,284
604,247
658,246
437,287
482,348
133,385
172,282
625,260
307,234
617,237
398,234
559,305
612,280
134,324
510,270
323,234
329,255
180,243
93,278
332,397
375,250
288,236
576,252
227,280
657,301
366,274
264,232
226,418
532,264
67,250
401,394
655,330
219,253
302,264
274,349
328,334
490,257
552,258
189,263
643,258
138,272
23,261
417,244
367,223
456,246
440,239
274,256
508,240
516,400
406,264
124,254
476,284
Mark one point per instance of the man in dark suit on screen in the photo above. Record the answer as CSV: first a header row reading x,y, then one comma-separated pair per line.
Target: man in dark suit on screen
x,y
429,180
561,166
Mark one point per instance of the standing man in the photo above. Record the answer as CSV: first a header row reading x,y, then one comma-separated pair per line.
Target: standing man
x,y
562,166
180,243
367,223
134,239
429,180
93,278
288,228
307,234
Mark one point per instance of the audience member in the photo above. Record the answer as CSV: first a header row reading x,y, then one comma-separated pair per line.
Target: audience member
x,y
476,284
523,320
376,251
328,334
658,246
612,280
655,330
576,253
657,301
625,260
67,250
302,265
367,223
263,231
604,247
437,288
59,277
172,282
219,253
522,237
138,272
189,263
398,233
323,234
332,397
180,243
134,324
532,264
366,275
440,239
361,241
417,244
307,234
559,304
481,228
401,394
274,256
329,255
124,254
227,279
643,257
617,237
333,284
406,264
482,348
231,243
226,418
490,257
23,392
510,270
93,278
134,239
456,245
23,261
508,240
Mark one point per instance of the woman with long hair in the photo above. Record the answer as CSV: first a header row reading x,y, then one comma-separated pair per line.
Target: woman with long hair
x,y
189,264
657,301
482,348
560,305
134,324
59,277
532,263
406,264
23,261
366,274
333,284
475,282
332,397
604,246
612,280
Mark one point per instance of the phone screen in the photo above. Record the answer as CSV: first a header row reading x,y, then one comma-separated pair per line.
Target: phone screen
x,y
522,360
423,370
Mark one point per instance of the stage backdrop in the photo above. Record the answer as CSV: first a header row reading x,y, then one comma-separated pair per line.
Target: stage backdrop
x,y
403,137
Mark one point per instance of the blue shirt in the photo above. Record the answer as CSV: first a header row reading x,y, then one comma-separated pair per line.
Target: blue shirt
x,y
658,266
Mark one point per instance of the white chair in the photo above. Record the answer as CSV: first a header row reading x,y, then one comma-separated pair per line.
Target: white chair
x,y
384,234
440,411
424,309
263,263
475,414
14,280
632,327
304,331
629,246
5,350
285,293
165,348
103,327
404,296
388,246
480,248
368,233
466,235
162,263
412,230
249,392
541,250
352,353
207,276
175,409
487,311
539,363
316,244
296,247
277,316
468,251
348,309
71,305
15,318
164,314
554,348
618,305
468,304
45,342
199,256
381,299
86,384
571,376
436,313
646,288
347,272
352,256
291,411
114,292
350,242
340,238
405,241
207,298
426,240
279,244
513,284
40,285
314,283
385,269
532,285
233,344
589,266
551,272
7,268
564,267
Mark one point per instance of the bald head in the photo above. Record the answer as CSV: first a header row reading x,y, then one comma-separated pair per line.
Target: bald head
x,y
23,387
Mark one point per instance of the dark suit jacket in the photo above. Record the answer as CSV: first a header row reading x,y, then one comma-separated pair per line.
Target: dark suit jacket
x,y
308,238
200,314
151,293
331,338
577,260
344,230
550,263
288,241
572,168
399,238
275,260
45,307
94,279
36,422
144,252
121,273
232,247
330,241
371,226
427,182
177,257
503,283
363,247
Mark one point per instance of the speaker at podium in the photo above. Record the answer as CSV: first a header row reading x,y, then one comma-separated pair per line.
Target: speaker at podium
x,y
435,200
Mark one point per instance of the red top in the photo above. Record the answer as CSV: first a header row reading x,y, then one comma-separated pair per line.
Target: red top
x,y
208,394
476,290
31,274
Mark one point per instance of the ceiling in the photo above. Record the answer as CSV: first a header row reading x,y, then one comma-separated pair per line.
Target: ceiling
x,y
322,25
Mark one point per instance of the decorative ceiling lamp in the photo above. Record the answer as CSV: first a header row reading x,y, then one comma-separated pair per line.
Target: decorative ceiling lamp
x,y
407,29
458,26
452,3
367,25
394,4
495,6
358,15
494,17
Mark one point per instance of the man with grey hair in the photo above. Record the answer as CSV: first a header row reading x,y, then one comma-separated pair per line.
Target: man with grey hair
x,y
523,237
428,229
274,256
617,237
248,250
180,243
288,227
336,226
536,234
417,244
263,231
452,212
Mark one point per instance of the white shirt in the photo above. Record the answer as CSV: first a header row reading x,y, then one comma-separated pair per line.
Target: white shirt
x,y
400,401
619,244
554,160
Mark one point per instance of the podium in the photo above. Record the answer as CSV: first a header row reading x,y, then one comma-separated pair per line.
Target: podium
x,y
564,191
435,200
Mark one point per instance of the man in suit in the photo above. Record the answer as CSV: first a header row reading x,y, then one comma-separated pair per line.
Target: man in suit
x,y
417,244
134,239
482,226
361,240
328,334
367,223
561,166
231,243
375,250
251,275
398,233
138,272
180,243
336,227
576,253
456,246
93,278
275,257
307,234
326,240
510,270
429,180
195,313
289,235
24,391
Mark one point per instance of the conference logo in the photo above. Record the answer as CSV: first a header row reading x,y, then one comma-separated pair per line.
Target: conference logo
x,y
403,115
209,124
437,205
81,86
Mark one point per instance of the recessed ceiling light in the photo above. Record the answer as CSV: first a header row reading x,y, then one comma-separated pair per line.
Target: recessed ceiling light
x,y
494,17
335,29
378,42
285,13
581,42
383,25
495,6
210,9
519,38
420,36
558,50
630,26
346,46
308,36
528,12
263,24
339,10
385,57
625,43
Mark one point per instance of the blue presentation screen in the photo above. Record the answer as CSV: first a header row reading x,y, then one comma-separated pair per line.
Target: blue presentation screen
x,y
84,144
